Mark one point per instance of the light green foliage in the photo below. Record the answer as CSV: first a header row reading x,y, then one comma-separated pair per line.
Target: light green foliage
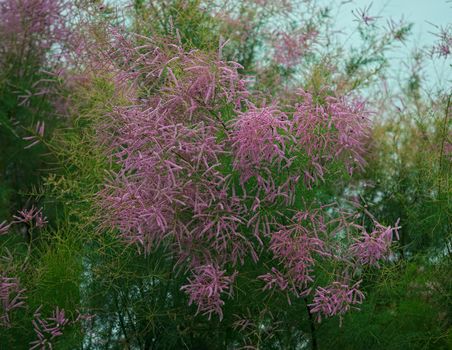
x,y
77,264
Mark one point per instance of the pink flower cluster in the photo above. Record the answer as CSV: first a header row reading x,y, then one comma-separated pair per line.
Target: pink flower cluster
x,y
259,141
30,28
294,247
335,130
373,247
31,217
187,81
291,47
206,287
335,299
47,329
275,278
170,183
11,298
369,249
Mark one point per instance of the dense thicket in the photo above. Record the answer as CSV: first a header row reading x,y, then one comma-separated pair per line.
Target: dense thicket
x,y
219,175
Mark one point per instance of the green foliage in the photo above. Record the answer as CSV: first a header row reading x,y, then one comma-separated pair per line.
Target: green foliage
x,y
409,175
77,264
408,307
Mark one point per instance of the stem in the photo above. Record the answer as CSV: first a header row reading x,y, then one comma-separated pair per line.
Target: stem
x,y
314,345
443,141
122,324
131,320
29,239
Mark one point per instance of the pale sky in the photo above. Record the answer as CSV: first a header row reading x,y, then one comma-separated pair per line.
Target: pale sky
x,y
419,12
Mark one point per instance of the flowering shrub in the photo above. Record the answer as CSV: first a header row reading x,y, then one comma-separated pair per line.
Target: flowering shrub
x,y
30,28
214,178
197,189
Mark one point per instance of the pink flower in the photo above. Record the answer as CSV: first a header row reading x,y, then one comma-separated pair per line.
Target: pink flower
x,y
36,138
443,47
4,227
363,16
49,328
27,216
206,287
40,220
